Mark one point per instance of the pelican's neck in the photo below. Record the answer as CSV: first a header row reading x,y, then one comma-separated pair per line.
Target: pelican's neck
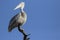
x,y
22,13
21,10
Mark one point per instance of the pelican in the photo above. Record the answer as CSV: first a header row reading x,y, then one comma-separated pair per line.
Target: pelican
x,y
19,19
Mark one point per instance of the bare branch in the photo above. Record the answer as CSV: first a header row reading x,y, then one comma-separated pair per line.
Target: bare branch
x,y
24,34
26,37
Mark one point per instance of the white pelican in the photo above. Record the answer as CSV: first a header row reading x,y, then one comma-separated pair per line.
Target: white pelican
x,y
19,19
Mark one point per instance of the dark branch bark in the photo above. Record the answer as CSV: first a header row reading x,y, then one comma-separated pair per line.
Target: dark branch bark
x,y
24,34
25,37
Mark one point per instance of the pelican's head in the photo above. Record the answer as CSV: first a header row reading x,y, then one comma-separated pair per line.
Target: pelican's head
x,y
21,6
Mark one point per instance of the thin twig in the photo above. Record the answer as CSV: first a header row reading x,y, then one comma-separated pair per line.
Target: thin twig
x,y
26,37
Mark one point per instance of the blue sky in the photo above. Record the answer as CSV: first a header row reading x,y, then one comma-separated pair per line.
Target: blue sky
x,y
43,19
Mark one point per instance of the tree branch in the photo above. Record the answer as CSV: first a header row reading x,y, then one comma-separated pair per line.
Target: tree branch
x,y
24,34
26,37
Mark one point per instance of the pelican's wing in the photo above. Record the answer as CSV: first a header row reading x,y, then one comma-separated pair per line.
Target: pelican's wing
x,y
12,23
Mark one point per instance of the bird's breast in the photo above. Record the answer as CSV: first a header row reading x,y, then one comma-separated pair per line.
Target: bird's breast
x,y
22,19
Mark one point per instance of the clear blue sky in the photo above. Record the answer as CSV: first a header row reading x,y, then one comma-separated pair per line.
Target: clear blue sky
x,y
43,19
